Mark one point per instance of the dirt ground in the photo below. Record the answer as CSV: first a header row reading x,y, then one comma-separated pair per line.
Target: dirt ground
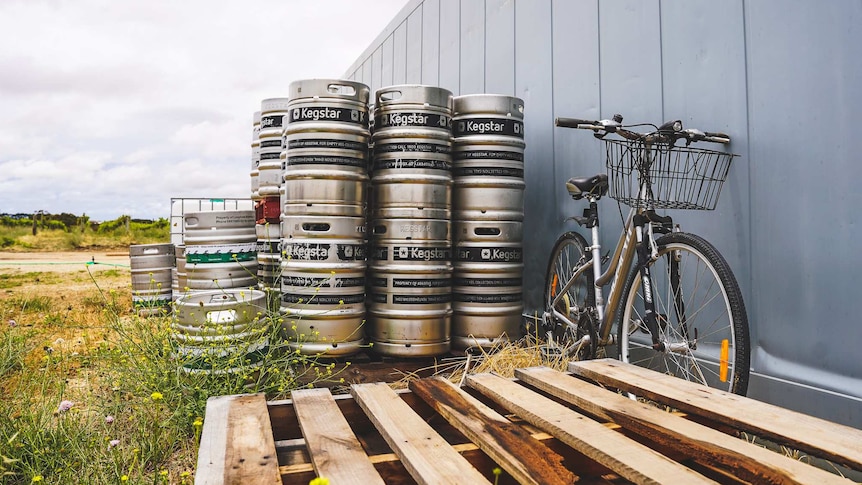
x,y
63,262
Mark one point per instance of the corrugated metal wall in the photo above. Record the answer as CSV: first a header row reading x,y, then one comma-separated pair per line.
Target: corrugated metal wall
x,y
782,77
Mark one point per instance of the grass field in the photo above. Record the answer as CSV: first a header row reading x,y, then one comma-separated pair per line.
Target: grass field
x,y
92,393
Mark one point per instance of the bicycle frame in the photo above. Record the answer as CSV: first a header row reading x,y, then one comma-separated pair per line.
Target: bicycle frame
x,y
622,258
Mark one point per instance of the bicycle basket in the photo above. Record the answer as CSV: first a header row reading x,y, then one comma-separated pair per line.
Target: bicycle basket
x,y
679,177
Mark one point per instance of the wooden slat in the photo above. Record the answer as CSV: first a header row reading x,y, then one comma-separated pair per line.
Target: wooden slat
x,y
629,459
703,444
335,452
237,446
427,457
527,460
818,437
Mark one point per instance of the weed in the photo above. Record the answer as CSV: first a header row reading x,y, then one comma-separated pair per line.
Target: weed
x,y
14,345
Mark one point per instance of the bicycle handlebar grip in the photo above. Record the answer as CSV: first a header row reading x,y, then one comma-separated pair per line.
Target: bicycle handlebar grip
x,y
572,122
717,137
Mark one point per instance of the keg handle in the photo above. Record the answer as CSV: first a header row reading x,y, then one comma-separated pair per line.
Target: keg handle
x,y
343,89
393,95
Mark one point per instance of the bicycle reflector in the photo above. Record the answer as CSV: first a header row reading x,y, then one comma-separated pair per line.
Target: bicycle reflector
x,y
723,361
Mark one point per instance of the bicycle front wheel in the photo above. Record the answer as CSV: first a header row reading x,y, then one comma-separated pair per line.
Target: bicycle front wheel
x,y
701,316
569,301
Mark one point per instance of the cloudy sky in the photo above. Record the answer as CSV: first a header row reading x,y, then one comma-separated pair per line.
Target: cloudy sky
x,y
112,107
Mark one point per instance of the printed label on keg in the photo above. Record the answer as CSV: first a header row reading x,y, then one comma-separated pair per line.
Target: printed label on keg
x,y
427,120
317,299
378,297
412,147
473,298
413,253
421,282
306,251
220,257
488,126
273,247
488,282
378,282
421,299
412,163
270,143
331,144
350,252
380,254
488,172
271,121
489,255
322,282
270,156
489,155
326,113
325,160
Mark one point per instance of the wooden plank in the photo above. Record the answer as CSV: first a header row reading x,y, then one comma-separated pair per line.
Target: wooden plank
x,y
815,436
512,447
629,459
236,443
703,444
427,457
335,452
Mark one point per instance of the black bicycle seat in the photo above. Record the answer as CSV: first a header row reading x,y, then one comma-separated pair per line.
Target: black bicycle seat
x,y
580,187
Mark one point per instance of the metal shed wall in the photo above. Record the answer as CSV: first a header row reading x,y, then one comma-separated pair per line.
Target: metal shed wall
x,y
782,77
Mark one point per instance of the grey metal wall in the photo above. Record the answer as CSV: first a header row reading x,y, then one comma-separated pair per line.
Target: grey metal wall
x,y
782,77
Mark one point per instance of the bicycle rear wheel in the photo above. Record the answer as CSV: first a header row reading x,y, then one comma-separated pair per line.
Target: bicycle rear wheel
x,y
701,316
576,302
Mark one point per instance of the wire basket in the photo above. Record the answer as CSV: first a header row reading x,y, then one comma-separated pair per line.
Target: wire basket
x,y
679,177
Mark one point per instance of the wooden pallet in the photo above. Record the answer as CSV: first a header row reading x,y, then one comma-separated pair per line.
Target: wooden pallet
x,y
545,427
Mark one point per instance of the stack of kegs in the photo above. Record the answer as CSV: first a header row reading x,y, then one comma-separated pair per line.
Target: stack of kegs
x,y
267,208
410,262
488,214
220,249
152,266
179,276
324,244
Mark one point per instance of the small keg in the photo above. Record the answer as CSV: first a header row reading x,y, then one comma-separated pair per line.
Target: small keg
x,y
410,287
487,296
323,283
412,159
488,158
220,331
220,249
327,126
255,157
273,111
151,265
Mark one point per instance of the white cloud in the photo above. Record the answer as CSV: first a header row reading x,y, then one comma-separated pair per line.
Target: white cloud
x,y
115,107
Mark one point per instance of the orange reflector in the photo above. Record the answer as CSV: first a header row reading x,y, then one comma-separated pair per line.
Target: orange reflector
x,y
722,363
554,286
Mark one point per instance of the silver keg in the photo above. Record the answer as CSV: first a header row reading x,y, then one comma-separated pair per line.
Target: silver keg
x,y
255,157
488,158
412,159
152,266
220,331
410,287
323,283
487,298
273,111
327,126
220,249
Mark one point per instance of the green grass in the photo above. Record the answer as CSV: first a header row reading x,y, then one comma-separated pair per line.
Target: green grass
x,y
87,348
22,238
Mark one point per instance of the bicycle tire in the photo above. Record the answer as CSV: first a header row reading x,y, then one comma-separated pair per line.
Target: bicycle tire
x,y
724,342
579,301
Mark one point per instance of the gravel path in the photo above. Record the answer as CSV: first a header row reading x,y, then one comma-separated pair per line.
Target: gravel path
x,y
67,261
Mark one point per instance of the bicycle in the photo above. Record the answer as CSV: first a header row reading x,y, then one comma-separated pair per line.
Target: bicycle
x,y
673,299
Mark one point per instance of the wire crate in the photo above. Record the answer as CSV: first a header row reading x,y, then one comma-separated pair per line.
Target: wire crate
x,y
679,177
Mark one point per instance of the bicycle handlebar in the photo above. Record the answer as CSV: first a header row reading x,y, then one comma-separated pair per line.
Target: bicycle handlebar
x,y
667,133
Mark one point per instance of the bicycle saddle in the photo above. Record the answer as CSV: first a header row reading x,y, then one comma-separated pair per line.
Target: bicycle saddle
x,y
580,187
